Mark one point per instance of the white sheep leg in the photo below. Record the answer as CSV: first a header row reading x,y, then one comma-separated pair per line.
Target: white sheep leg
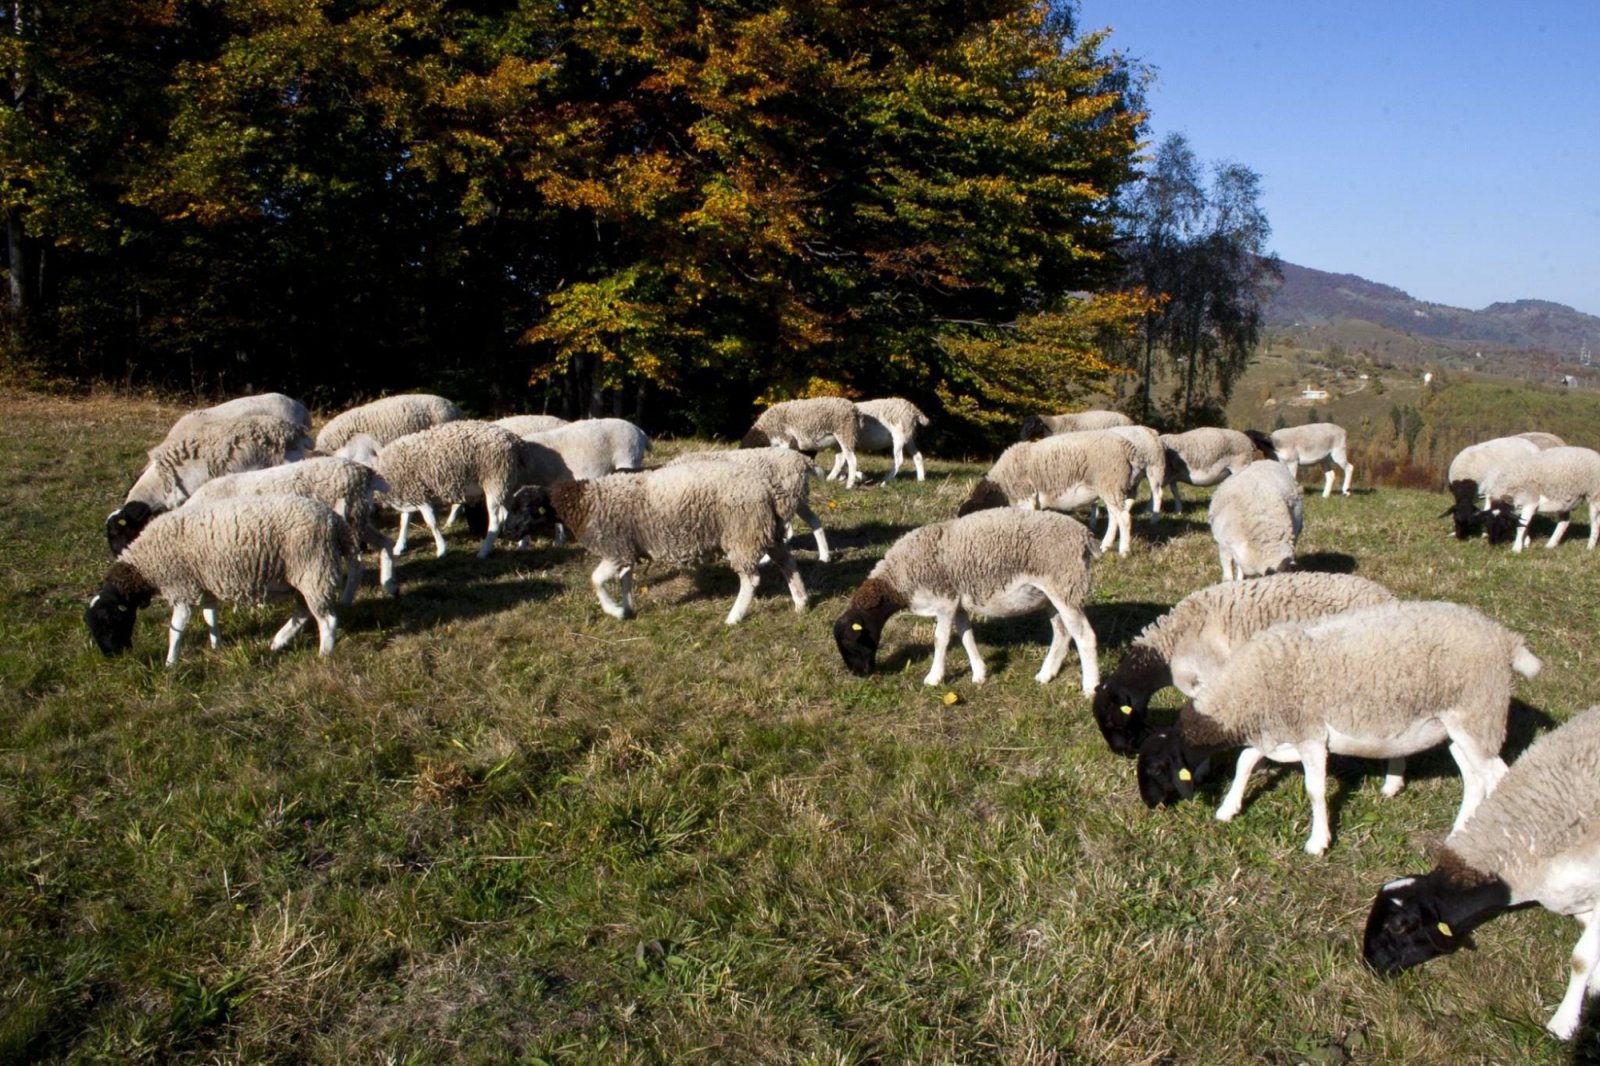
x,y
747,593
1585,955
791,574
213,631
1327,482
405,528
1480,773
1561,529
352,582
296,622
1226,557
838,465
916,460
180,619
804,511
1124,529
1394,780
327,626
1594,530
1314,757
1075,623
432,520
941,642
497,514
969,641
386,572
1522,526
897,457
603,573
1059,640
1349,470
855,476
1155,499
1234,800
455,513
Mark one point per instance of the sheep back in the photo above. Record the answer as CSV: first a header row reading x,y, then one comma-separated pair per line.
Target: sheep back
x,y
584,450
1561,477
450,463
787,473
273,404
387,419
523,425
1206,455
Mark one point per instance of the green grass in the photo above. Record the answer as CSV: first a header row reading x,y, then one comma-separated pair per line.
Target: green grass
x,y
497,825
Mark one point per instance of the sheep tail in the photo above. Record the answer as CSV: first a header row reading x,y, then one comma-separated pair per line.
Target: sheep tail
x,y
921,418
1525,662
1264,442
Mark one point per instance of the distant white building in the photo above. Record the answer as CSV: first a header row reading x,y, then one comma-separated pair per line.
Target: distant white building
x,y
1314,394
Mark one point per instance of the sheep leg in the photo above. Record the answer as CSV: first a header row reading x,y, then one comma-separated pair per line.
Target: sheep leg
x,y
352,581
1480,773
1124,519
603,573
804,511
455,513
385,560
1074,623
1227,564
1327,480
213,631
916,459
1594,530
432,520
296,622
327,626
405,528
969,641
180,619
941,641
1234,800
1314,757
748,580
791,574
896,457
497,514
855,475
1155,498
1177,502
1395,779
838,465
1349,468
1563,522
1585,956
1522,526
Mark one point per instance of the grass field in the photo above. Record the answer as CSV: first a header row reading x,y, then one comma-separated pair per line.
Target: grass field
x,y
496,825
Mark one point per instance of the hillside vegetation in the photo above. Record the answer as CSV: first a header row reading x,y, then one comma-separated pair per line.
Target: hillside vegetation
x,y
497,825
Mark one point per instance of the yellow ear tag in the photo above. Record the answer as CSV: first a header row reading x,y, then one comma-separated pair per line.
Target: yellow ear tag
x,y
1126,709
122,521
1185,775
856,626
1445,929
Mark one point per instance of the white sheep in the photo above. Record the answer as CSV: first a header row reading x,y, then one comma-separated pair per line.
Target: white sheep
x,y
788,477
992,563
888,425
1468,470
1192,640
208,448
1152,462
239,550
387,420
1206,455
1256,516
1036,427
522,425
677,514
809,426
1535,839
342,484
1554,481
1380,682
1542,440
1314,442
464,460
584,450
273,404
1062,472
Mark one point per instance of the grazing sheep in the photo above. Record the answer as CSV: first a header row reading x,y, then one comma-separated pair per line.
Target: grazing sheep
x,y
1381,682
788,477
1467,472
387,420
1060,473
273,404
1554,481
1152,462
342,484
1207,455
1036,427
522,425
239,550
676,514
464,460
808,426
888,426
993,563
1535,839
1194,639
209,448
1314,442
584,450
1256,517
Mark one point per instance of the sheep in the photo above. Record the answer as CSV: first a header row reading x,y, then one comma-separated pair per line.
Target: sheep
x,y
788,477
1152,459
522,425
237,550
1194,639
387,420
888,425
808,426
1035,427
1468,470
342,484
1543,440
676,514
1255,518
1380,682
1207,455
1314,442
1533,840
275,404
209,448
994,563
1553,481
1060,473
454,461
584,450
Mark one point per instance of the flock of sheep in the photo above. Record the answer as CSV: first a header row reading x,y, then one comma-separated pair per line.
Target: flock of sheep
x,y
239,503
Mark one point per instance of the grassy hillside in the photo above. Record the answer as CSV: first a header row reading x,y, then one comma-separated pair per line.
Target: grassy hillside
x,y
496,824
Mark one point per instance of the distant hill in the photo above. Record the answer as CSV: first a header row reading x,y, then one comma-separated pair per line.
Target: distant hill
x,y
1313,305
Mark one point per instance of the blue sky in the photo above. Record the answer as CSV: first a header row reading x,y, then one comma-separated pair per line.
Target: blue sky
x,y
1449,149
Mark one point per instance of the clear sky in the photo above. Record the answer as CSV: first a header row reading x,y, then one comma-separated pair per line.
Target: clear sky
x,y
1450,149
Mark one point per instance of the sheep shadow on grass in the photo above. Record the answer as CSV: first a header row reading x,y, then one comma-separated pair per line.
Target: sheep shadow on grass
x,y
459,587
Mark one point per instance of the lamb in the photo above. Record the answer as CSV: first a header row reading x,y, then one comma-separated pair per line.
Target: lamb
x,y
994,563
464,460
1534,840
387,420
1194,639
888,426
522,425
210,448
1555,481
1035,427
1380,682
1256,517
1060,473
808,426
1314,442
1467,472
1152,459
1207,455
275,404
236,550
342,484
788,478
676,514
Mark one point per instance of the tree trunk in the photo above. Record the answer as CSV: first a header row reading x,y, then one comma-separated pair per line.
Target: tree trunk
x,y
16,267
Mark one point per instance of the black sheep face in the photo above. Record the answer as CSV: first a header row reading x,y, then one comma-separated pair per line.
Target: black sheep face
x,y
1120,714
1165,776
1405,928
529,509
1033,428
858,642
755,439
1499,521
986,495
110,618
125,524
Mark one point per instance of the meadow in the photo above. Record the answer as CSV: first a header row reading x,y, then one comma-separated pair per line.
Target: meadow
x,y
497,825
